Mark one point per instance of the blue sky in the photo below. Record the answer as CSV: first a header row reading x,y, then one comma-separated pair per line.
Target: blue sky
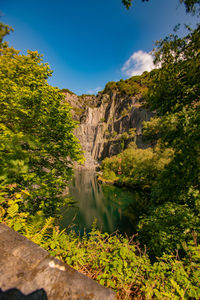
x,y
90,42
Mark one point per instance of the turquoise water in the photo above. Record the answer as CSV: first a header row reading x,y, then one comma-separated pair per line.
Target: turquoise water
x,y
114,208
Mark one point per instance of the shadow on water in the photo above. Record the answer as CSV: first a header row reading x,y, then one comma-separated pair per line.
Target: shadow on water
x,y
115,208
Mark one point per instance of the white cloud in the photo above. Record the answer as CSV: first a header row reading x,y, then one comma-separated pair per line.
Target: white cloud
x,y
94,91
139,62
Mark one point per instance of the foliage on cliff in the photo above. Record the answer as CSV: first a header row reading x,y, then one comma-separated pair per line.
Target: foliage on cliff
x,y
37,144
136,85
67,91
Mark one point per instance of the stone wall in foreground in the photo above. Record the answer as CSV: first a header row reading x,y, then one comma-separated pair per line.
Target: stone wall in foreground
x,y
30,269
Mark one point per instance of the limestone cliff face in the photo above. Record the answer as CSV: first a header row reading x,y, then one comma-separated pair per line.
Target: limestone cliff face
x,y
108,123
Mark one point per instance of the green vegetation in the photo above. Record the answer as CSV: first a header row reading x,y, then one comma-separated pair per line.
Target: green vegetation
x,y
86,95
192,6
67,91
171,170
121,137
132,132
102,120
112,260
85,101
136,167
136,85
124,112
37,150
78,111
176,191
37,144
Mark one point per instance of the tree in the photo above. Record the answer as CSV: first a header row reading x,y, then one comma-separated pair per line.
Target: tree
x,y
37,144
4,30
175,95
192,6
174,216
128,3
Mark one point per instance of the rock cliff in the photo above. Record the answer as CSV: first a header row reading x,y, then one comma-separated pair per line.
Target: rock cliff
x,y
108,122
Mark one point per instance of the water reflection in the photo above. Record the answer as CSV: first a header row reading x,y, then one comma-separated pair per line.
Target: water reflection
x,y
114,208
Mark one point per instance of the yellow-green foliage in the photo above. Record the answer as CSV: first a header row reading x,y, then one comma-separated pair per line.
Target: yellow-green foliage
x,y
37,144
67,91
137,167
111,164
136,85
112,260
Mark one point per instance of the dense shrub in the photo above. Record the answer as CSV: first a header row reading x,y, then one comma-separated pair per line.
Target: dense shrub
x,y
167,227
137,167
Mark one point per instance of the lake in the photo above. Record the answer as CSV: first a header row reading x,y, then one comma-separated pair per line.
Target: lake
x,y
114,208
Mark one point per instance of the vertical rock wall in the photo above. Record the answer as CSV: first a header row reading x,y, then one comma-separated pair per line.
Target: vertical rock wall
x,y
103,121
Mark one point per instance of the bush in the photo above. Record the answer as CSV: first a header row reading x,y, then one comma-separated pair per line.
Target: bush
x,y
168,227
110,86
137,167
111,164
109,175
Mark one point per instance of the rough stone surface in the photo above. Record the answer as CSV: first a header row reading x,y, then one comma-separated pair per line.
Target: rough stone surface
x,y
103,116
27,267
